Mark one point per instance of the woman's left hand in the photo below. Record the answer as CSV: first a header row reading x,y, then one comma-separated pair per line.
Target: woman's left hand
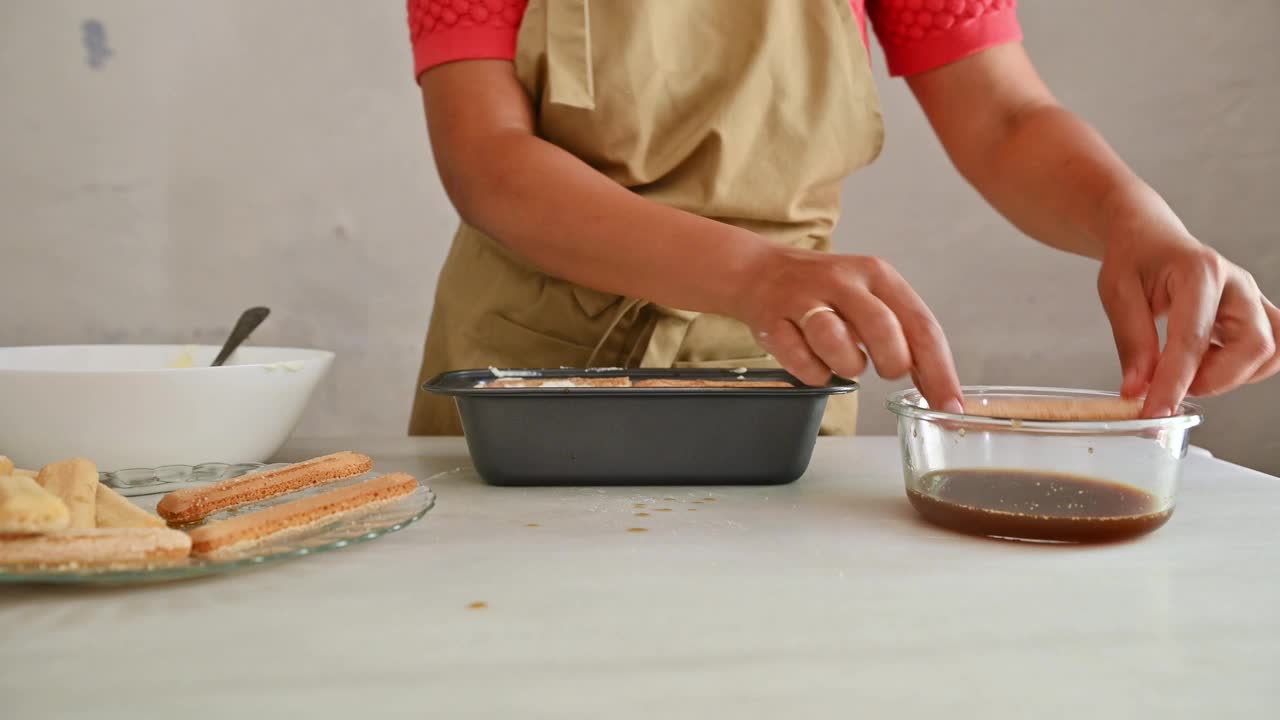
x,y
1222,331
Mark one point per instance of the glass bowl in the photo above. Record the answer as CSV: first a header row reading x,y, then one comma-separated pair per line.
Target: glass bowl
x,y
1053,481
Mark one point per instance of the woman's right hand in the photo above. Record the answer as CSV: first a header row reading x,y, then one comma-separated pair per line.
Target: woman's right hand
x,y
876,313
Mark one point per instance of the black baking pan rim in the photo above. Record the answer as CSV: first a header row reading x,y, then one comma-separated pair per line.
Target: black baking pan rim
x,y
462,383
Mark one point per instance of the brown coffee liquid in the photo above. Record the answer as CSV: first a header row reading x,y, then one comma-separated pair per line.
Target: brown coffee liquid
x,y
1034,505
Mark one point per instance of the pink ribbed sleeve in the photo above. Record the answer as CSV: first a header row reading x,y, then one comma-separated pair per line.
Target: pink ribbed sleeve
x,y
917,35
920,35
447,30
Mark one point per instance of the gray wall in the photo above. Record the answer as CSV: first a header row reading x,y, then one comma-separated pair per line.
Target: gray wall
x,y
240,152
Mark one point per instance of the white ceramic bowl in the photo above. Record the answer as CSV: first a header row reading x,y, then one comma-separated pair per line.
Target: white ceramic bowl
x,y
126,406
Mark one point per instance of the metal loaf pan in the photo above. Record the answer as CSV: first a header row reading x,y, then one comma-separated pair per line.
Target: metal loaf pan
x,y
638,436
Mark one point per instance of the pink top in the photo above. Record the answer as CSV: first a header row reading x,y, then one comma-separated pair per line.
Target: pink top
x,y
917,35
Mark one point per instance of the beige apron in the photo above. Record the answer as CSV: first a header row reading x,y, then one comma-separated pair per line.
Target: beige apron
x,y
751,112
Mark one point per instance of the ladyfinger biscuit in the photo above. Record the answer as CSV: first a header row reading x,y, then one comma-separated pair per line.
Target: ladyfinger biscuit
x,y
76,482
691,383
113,510
25,507
96,548
1056,409
570,382
6,466
19,472
192,504
242,532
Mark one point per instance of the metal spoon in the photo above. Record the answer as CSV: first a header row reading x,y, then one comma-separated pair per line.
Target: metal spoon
x,y
249,321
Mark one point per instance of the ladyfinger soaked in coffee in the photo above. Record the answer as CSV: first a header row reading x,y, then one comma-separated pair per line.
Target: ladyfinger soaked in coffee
x,y
521,383
695,383
1056,409
99,547
192,504
242,532
75,481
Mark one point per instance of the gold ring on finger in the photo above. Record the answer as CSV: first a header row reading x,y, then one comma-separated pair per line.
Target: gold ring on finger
x,y
814,311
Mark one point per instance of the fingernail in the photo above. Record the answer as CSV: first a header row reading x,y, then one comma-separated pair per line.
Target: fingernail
x,y
1163,412
953,406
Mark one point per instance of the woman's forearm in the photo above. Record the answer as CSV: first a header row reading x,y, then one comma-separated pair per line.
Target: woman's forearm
x,y
1054,177
574,223
562,215
1043,168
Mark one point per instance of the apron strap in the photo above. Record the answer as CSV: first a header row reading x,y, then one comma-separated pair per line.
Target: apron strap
x,y
669,330
631,304
571,81
668,337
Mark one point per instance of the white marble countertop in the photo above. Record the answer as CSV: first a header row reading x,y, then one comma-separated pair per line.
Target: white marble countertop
x,y
825,598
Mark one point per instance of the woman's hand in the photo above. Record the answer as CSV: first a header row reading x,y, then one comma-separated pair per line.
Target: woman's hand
x,y
1058,181
874,309
1222,331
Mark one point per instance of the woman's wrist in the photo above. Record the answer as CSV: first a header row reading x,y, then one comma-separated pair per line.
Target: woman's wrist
x,y
747,264
1135,212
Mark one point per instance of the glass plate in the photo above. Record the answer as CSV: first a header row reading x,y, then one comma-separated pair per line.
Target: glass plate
x,y
148,481
341,533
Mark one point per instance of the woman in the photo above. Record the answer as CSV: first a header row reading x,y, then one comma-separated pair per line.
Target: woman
x,y
654,183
